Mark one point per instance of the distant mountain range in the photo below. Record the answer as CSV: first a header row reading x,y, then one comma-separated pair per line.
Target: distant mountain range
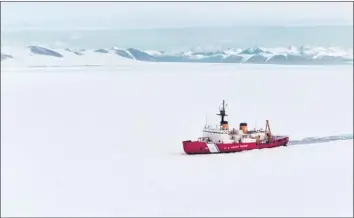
x,y
304,55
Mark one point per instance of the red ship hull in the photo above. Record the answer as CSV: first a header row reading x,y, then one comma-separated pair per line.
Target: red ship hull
x,y
200,147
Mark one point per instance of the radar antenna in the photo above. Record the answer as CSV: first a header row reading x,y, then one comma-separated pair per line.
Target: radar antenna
x,y
223,114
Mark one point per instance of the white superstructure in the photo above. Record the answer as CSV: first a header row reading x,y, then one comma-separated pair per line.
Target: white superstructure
x,y
232,136
224,135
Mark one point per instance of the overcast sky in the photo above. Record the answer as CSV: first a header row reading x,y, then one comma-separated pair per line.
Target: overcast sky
x,y
164,14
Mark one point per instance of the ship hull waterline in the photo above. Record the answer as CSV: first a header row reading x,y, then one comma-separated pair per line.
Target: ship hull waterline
x,y
202,147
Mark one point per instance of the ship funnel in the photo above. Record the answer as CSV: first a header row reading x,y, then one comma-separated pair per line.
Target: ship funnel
x,y
243,127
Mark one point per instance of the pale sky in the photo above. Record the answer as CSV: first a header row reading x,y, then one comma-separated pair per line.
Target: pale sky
x,y
170,15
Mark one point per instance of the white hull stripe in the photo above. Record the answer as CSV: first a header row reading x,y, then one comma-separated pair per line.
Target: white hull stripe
x,y
213,148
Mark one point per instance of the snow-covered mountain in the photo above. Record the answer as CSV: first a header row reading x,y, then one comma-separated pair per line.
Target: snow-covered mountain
x,y
304,55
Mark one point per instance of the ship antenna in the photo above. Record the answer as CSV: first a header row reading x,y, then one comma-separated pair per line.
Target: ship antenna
x,y
222,114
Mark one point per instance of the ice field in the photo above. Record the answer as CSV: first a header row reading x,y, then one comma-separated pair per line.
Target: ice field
x,y
106,141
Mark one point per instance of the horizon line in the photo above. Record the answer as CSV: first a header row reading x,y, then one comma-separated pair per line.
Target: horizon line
x,y
34,27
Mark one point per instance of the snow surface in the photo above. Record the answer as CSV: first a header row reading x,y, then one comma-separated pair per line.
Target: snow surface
x,y
106,141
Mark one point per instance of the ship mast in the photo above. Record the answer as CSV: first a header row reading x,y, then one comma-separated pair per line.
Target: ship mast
x,y
223,123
